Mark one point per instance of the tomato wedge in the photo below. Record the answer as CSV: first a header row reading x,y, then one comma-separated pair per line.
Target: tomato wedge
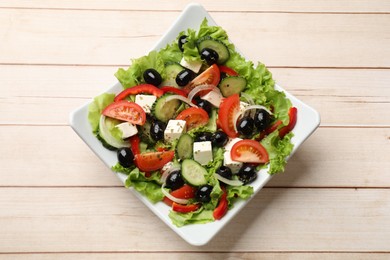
x,y
292,114
169,89
229,107
126,111
143,88
194,117
210,76
249,151
227,70
184,208
185,192
152,161
222,207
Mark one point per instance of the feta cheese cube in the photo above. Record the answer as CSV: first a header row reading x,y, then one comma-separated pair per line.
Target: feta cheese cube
x,y
213,97
191,65
231,142
228,162
127,129
174,129
145,101
203,153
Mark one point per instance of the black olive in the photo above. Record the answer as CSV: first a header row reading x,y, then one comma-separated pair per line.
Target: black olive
x,y
262,119
174,180
209,55
219,139
184,77
151,76
225,172
181,41
205,105
247,173
125,157
157,129
245,126
202,137
203,193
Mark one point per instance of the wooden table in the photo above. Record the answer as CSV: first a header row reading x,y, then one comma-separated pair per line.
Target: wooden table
x,y
58,200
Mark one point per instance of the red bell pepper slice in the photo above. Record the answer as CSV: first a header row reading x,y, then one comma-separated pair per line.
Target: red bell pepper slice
x,y
222,207
169,89
227,70
184,208
143,88
134,144
292,114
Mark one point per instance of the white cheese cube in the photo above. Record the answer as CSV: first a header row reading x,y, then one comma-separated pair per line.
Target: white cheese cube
x,y
174,129
203,153
191,65
145,101
127,129
213,97
228,162
231,142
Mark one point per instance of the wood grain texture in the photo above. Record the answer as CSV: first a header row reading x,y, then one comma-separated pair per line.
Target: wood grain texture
x,y
276,39
344,159
59,201
377,6
112,219
200,255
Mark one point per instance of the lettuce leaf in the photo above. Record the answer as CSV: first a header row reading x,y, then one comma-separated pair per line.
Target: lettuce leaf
x,y
278,149
134,74
200,216
236,192
150,187
190,49
95,109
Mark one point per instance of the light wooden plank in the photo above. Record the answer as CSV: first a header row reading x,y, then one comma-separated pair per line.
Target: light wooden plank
x,y
200,255
342,97
235,6
332,157
113,37
111,219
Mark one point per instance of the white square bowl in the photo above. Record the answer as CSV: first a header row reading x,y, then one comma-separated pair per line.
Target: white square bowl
x,y
196,234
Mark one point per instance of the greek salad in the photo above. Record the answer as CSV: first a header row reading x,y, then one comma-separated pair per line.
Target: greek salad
x,y
194,124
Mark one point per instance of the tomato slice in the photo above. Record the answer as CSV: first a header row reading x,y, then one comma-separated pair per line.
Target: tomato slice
x,y
152,161
222,207
143,88
169,89
210,76
227,70
185,192
292,113
184,208
229,107
194,117
126,111
249,151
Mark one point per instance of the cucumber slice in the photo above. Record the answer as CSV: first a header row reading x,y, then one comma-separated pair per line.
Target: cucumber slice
x,y
232,85
163,110
184,147
171,71
105,134
193,172
219,47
